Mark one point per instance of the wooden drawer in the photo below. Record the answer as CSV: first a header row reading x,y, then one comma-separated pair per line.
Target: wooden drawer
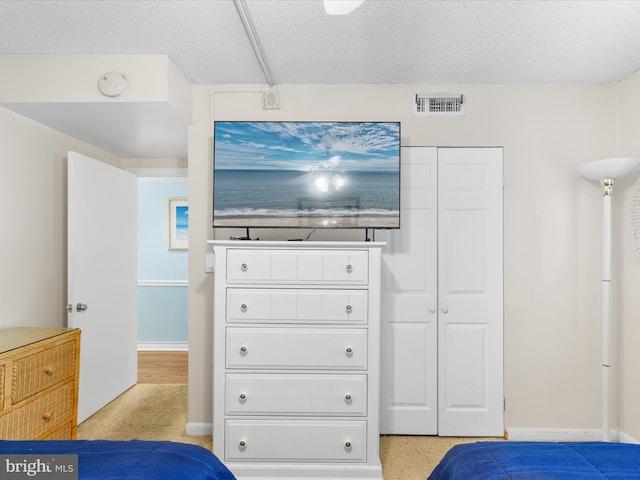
x,y
2,374
283,347
63,432
39,416
296,440
35,373
296,305
291,394
297,266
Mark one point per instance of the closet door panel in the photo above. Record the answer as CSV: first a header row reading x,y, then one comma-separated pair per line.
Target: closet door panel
x,y
409,329
470,276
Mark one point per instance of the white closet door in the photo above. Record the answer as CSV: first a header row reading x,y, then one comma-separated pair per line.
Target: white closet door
x,y
409,303
470,283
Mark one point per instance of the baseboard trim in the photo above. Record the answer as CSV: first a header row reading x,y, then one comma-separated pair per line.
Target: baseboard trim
x,y
557,434
624,438
163,346
566,435
199,429
515,434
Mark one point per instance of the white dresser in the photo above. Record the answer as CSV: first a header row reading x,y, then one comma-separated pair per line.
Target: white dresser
x,y
296,359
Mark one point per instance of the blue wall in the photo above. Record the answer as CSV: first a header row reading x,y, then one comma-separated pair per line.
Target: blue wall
x,y
162,314
155,260
162,273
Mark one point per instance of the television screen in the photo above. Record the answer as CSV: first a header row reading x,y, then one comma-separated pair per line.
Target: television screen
x,y
306,174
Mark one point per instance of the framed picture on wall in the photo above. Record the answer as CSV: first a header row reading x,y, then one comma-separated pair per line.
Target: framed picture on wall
x,y
178,223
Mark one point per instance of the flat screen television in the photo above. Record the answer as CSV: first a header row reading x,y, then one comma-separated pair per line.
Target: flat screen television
x,y
306,174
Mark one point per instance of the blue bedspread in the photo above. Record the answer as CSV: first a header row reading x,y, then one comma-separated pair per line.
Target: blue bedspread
x,y
540,460
130,460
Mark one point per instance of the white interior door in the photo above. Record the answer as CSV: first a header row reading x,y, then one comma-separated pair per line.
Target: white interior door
x,y
470,285
102,275
409,342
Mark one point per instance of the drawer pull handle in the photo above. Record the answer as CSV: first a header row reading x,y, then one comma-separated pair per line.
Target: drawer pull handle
x,y
243,349
349,351
244,267
243,307
349,309
48,370
47,415
347,397
349,268
242,444
243,396
347,444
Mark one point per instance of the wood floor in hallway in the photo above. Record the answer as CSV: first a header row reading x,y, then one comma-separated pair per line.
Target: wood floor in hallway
x,y
163,367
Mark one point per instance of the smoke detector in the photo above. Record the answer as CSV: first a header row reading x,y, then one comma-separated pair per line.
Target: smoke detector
x,y
112,84
438,104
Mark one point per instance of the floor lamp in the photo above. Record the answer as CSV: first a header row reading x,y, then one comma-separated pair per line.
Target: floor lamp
x,y
606,171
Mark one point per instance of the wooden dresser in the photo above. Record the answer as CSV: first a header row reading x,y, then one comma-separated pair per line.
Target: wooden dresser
x,y
296,362
39,383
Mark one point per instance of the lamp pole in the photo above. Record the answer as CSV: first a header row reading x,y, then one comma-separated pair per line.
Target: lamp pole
x,y
607,191
606,171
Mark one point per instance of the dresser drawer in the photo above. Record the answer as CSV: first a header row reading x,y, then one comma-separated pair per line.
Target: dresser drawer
x,y
63,432
291,394
296,305
2,374
34,373
297,266
282,347
296,440
38,417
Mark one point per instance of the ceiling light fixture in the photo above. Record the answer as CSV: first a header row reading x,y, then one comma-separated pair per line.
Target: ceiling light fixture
x,y
341,7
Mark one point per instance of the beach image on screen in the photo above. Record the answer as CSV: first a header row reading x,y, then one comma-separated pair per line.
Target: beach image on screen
x,y
307,174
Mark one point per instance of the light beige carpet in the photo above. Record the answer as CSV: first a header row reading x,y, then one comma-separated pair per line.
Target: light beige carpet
x,y
414,457
159,412
144,412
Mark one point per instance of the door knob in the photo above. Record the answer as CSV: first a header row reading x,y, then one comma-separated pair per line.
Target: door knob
x,y
81,307
445,310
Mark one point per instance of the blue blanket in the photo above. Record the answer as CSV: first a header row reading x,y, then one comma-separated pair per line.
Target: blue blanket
x,y
130,460
540,460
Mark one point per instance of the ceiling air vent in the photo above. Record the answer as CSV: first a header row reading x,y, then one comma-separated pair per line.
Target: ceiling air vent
x,y
438,104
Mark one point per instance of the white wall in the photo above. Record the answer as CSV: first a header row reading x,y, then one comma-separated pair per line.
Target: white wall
x,y
552,224
629,328
552,309
34,215
33,181
151,78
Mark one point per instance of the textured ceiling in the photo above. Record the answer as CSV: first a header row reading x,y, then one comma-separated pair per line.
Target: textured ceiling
x,y
381,42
